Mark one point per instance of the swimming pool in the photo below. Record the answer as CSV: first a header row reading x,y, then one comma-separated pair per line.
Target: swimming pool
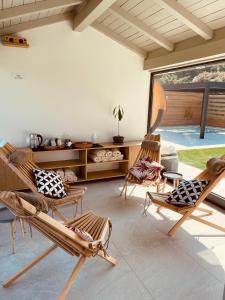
x,y
188,136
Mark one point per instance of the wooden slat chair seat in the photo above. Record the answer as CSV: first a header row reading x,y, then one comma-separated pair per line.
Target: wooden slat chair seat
x,y
61,236
145,152
187,211
25,173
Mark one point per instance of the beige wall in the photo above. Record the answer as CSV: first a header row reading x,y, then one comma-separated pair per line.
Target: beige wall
x,y
71,83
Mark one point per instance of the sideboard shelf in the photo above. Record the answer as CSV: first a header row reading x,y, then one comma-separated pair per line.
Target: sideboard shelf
x,y
90,162
60,164
105,174
78,160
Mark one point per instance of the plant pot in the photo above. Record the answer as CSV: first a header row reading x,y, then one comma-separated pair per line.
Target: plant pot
x,y
118,139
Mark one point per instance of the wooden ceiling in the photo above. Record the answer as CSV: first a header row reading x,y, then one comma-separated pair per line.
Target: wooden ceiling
x,y
144,26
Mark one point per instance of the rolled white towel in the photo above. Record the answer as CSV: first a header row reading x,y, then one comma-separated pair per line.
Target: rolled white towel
x,y
120,157
113,158
99,152
70,176
95,158
61,173
116,152
105,159
108,153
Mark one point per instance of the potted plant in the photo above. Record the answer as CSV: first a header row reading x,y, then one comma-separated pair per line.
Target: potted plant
x,y
118,114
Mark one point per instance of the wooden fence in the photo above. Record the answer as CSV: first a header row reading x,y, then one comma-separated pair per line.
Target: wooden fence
x,y
183,108
216,110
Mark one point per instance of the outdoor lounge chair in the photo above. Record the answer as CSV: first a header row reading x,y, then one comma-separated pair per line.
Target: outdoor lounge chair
x,y
25,172
187,211
153,154
62,237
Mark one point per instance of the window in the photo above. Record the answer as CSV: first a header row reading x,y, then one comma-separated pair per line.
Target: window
x,y
188,110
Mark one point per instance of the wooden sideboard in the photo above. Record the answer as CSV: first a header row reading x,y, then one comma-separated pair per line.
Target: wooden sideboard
x,y
77,159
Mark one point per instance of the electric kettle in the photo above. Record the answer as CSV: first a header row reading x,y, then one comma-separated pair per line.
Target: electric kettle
x,y
35,140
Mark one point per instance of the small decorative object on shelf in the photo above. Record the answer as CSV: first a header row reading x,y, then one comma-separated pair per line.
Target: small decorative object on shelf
x,y
58,142
118,114
53,144
83,145
14,41
68,143
94,138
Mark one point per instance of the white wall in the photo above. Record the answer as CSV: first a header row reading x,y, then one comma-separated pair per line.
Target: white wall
x,y
71,83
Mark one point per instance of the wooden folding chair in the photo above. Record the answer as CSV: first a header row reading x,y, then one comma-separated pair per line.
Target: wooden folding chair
x,y
145,152
187,211
62,237
25,173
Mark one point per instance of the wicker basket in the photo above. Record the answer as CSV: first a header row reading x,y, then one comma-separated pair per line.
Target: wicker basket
x,y
83,145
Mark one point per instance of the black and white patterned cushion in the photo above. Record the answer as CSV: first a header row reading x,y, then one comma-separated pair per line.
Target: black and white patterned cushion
x,y
187,193
49,183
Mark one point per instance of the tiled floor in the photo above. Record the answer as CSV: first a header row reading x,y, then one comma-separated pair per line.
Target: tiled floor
x,y
189,266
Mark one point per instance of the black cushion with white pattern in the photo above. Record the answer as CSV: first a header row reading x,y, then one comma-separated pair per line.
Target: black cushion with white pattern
x,y
49,183
187,192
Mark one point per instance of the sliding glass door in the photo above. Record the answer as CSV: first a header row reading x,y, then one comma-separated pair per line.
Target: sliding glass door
x,y
187,107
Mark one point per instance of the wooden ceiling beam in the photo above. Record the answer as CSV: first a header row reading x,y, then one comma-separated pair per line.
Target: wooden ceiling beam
x,y
188,52
90,13
27,9
119,39
35,23
142,27
187,18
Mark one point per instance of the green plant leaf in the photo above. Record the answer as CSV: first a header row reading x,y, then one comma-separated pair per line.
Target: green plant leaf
x,y
120,114
114,112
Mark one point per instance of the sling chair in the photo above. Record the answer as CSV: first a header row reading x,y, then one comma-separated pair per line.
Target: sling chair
x,y
152,151
187,211
25,172
62,237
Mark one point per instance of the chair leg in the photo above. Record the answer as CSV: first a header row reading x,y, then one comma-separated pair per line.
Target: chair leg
x,y
174,229
81,205
58,214
146,204
8,282
109,259
12,237
159,208
134,187
31,232
164,185
123,188
125,196
22,228
75,210
72,278
158,187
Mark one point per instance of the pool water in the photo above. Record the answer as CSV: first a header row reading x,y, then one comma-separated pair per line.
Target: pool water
x,y
188,136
